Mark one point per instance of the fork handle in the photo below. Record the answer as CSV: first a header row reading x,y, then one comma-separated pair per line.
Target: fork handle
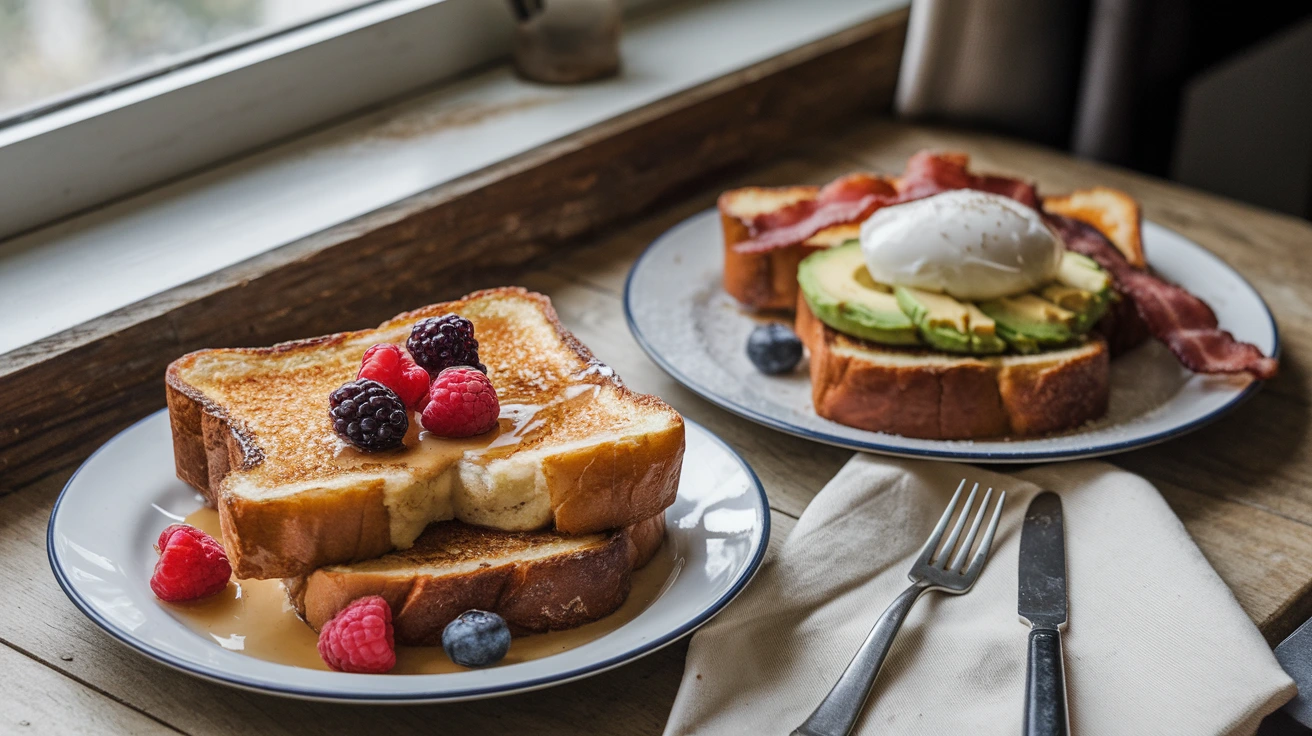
x,y
838,712
1045,685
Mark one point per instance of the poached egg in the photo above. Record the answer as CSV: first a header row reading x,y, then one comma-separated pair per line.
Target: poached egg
x,y
965,243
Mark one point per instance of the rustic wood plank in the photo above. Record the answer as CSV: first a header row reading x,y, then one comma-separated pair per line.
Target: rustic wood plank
x,y
38,700
81,386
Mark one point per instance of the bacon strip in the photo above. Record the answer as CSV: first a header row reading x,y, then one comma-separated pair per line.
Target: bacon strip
x,y
855,197
1179,319
930,173
851,198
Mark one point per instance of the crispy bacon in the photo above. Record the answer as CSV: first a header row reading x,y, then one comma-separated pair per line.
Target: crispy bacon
x,y
855,197
930,173
1179,319
850,198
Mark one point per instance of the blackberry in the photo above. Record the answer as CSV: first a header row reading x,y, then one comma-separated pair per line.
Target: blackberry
x,y
774,348
444,342
368,414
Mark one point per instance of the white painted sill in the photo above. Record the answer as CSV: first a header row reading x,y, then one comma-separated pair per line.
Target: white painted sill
x,y
56,278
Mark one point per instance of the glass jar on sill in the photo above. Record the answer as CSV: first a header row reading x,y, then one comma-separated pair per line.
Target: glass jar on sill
x,y
567,41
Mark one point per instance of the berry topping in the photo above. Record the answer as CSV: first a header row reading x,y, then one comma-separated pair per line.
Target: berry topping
x,y
438,343
368,414
461,403
359,638
191,565
476,639
392,367
774,348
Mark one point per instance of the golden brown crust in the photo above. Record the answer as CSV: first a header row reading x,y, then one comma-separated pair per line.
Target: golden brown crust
x,y
557,592
765,279
1112,212
957,398
590,490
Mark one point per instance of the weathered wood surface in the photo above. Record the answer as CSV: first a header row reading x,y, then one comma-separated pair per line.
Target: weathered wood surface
x,y
1243,486
70,392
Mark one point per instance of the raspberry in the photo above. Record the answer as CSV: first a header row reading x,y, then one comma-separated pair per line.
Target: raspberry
x,y
368,414
191,565
359,638
438,343
392,367
461,403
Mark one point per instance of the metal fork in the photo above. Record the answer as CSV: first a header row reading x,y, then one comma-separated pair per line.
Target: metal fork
x,y
838,712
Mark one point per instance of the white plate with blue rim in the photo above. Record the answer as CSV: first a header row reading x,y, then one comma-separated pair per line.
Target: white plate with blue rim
x,y
680,314
104,525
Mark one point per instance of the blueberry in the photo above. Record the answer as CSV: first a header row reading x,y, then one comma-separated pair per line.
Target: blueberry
x,y
774,348
476,639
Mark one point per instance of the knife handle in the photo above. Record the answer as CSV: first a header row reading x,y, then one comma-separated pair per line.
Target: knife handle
x,y
1045,686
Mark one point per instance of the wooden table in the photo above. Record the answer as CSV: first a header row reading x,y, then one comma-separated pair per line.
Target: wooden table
x,y
1242,486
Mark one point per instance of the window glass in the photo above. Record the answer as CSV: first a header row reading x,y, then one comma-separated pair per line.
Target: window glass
x,y
53,48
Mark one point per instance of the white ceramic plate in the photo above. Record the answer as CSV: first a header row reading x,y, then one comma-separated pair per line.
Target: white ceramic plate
x,y
686,322
106,520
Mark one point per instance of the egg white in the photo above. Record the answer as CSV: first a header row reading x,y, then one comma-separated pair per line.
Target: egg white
x,y
967,244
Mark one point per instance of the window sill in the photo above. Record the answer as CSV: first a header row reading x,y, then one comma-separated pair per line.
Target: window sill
x,y
472,178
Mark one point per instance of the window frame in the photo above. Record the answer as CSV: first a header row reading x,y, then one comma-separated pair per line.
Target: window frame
x,y
69,155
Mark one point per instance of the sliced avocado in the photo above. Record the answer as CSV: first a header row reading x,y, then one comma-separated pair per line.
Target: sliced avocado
x,y
948,324
1029,323
984,338
840,293
1082,287
1088,306
1082,272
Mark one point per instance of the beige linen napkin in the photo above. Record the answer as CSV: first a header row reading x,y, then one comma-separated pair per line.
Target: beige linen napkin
x,y
1156,643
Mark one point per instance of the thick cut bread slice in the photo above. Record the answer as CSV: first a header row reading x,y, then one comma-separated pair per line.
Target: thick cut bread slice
x,y
921,393
1114,213
575,448
537,581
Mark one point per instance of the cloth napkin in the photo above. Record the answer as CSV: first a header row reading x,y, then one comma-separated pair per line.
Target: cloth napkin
x,y
1156,643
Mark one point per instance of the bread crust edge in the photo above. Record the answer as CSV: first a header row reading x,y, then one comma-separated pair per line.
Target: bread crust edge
x,y
559,592
969,399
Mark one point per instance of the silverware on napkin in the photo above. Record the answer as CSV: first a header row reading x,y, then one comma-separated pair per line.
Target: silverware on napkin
x,y
1041,601
838,712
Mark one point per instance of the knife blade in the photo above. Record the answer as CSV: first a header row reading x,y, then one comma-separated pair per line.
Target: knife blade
x,y
1041,601
1041,594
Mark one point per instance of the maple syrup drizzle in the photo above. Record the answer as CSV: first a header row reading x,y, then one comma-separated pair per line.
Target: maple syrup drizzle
x,y
255,618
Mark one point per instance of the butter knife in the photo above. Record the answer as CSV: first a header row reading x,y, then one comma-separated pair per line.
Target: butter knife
x,y
1042,603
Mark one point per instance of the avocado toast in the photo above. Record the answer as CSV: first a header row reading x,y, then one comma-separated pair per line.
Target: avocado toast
x,y
945,304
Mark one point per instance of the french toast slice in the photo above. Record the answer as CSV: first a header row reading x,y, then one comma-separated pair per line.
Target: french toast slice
x,y
537,581
927,394
574,448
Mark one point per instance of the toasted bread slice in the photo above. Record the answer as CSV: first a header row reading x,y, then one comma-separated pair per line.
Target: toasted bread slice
x,y
575,449
927,394
761,279
1114,213
537,581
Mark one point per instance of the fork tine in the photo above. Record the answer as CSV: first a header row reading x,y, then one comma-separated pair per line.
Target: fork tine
x,y
935,536
977,563
951,544
966,543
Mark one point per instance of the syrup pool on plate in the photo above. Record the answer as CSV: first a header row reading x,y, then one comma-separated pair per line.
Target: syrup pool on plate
x,y
255,618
